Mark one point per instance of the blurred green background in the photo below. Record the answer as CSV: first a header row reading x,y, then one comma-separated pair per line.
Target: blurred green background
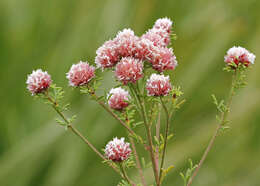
x,y
54,34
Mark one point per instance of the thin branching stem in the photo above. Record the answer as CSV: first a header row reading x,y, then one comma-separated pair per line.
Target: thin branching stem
x,y
138,164
158,126
122,168
221,123
76,132
102,104
165,136
149,136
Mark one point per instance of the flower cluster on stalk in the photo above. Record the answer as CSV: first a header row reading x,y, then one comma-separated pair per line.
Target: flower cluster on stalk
x,y
130,57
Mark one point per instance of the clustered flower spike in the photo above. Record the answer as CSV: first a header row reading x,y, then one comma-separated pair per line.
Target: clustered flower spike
x,y
107,54
239,55
118,98
38,81
128,70
80,74
163,59
160,34
163,23
151,47
126,41
117,150
158,85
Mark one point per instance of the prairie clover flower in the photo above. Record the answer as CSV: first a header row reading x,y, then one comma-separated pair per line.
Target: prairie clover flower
x,y
158,85
157,37
80,74
107,54
38,81
144,49
118,98
117,150
160,33
126,41
163,58
129,70
163,23
239,55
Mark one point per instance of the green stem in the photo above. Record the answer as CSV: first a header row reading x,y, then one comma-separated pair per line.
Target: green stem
x,y
165,136
102,104
222,122
149,136
76,132
122,168
138,164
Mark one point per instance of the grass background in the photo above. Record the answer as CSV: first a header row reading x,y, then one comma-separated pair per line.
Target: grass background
x,y
54,34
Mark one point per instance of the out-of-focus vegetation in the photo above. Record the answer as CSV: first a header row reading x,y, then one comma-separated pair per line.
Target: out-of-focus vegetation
x,y
35,151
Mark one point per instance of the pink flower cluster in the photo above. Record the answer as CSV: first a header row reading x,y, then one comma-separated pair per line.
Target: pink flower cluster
x,y
80,74
38,81
117,150
129,69
118,98
127,48
239,55
158,85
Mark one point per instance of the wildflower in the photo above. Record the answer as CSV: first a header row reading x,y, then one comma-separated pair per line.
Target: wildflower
x,y
163,23
126,41
160,33
158,37
80,74
117,150
163,58
239,55
129,70
144,49
158,85
38,81
118,98
107,54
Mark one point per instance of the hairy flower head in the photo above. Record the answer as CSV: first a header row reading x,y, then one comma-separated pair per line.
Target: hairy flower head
x,y
126,42
118,98
239,55
163,58
129,70
38,81
117,150
158,85
80,74
107,54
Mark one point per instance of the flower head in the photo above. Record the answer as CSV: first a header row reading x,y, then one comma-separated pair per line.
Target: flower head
x,y
160,33
80,74
117,150
163,58
38,81
118,98
129,70
144,49
107,54
158,85
158,37
239,55
163,23
126,41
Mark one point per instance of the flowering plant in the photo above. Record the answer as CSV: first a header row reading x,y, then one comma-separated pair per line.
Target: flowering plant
x,y
142,67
